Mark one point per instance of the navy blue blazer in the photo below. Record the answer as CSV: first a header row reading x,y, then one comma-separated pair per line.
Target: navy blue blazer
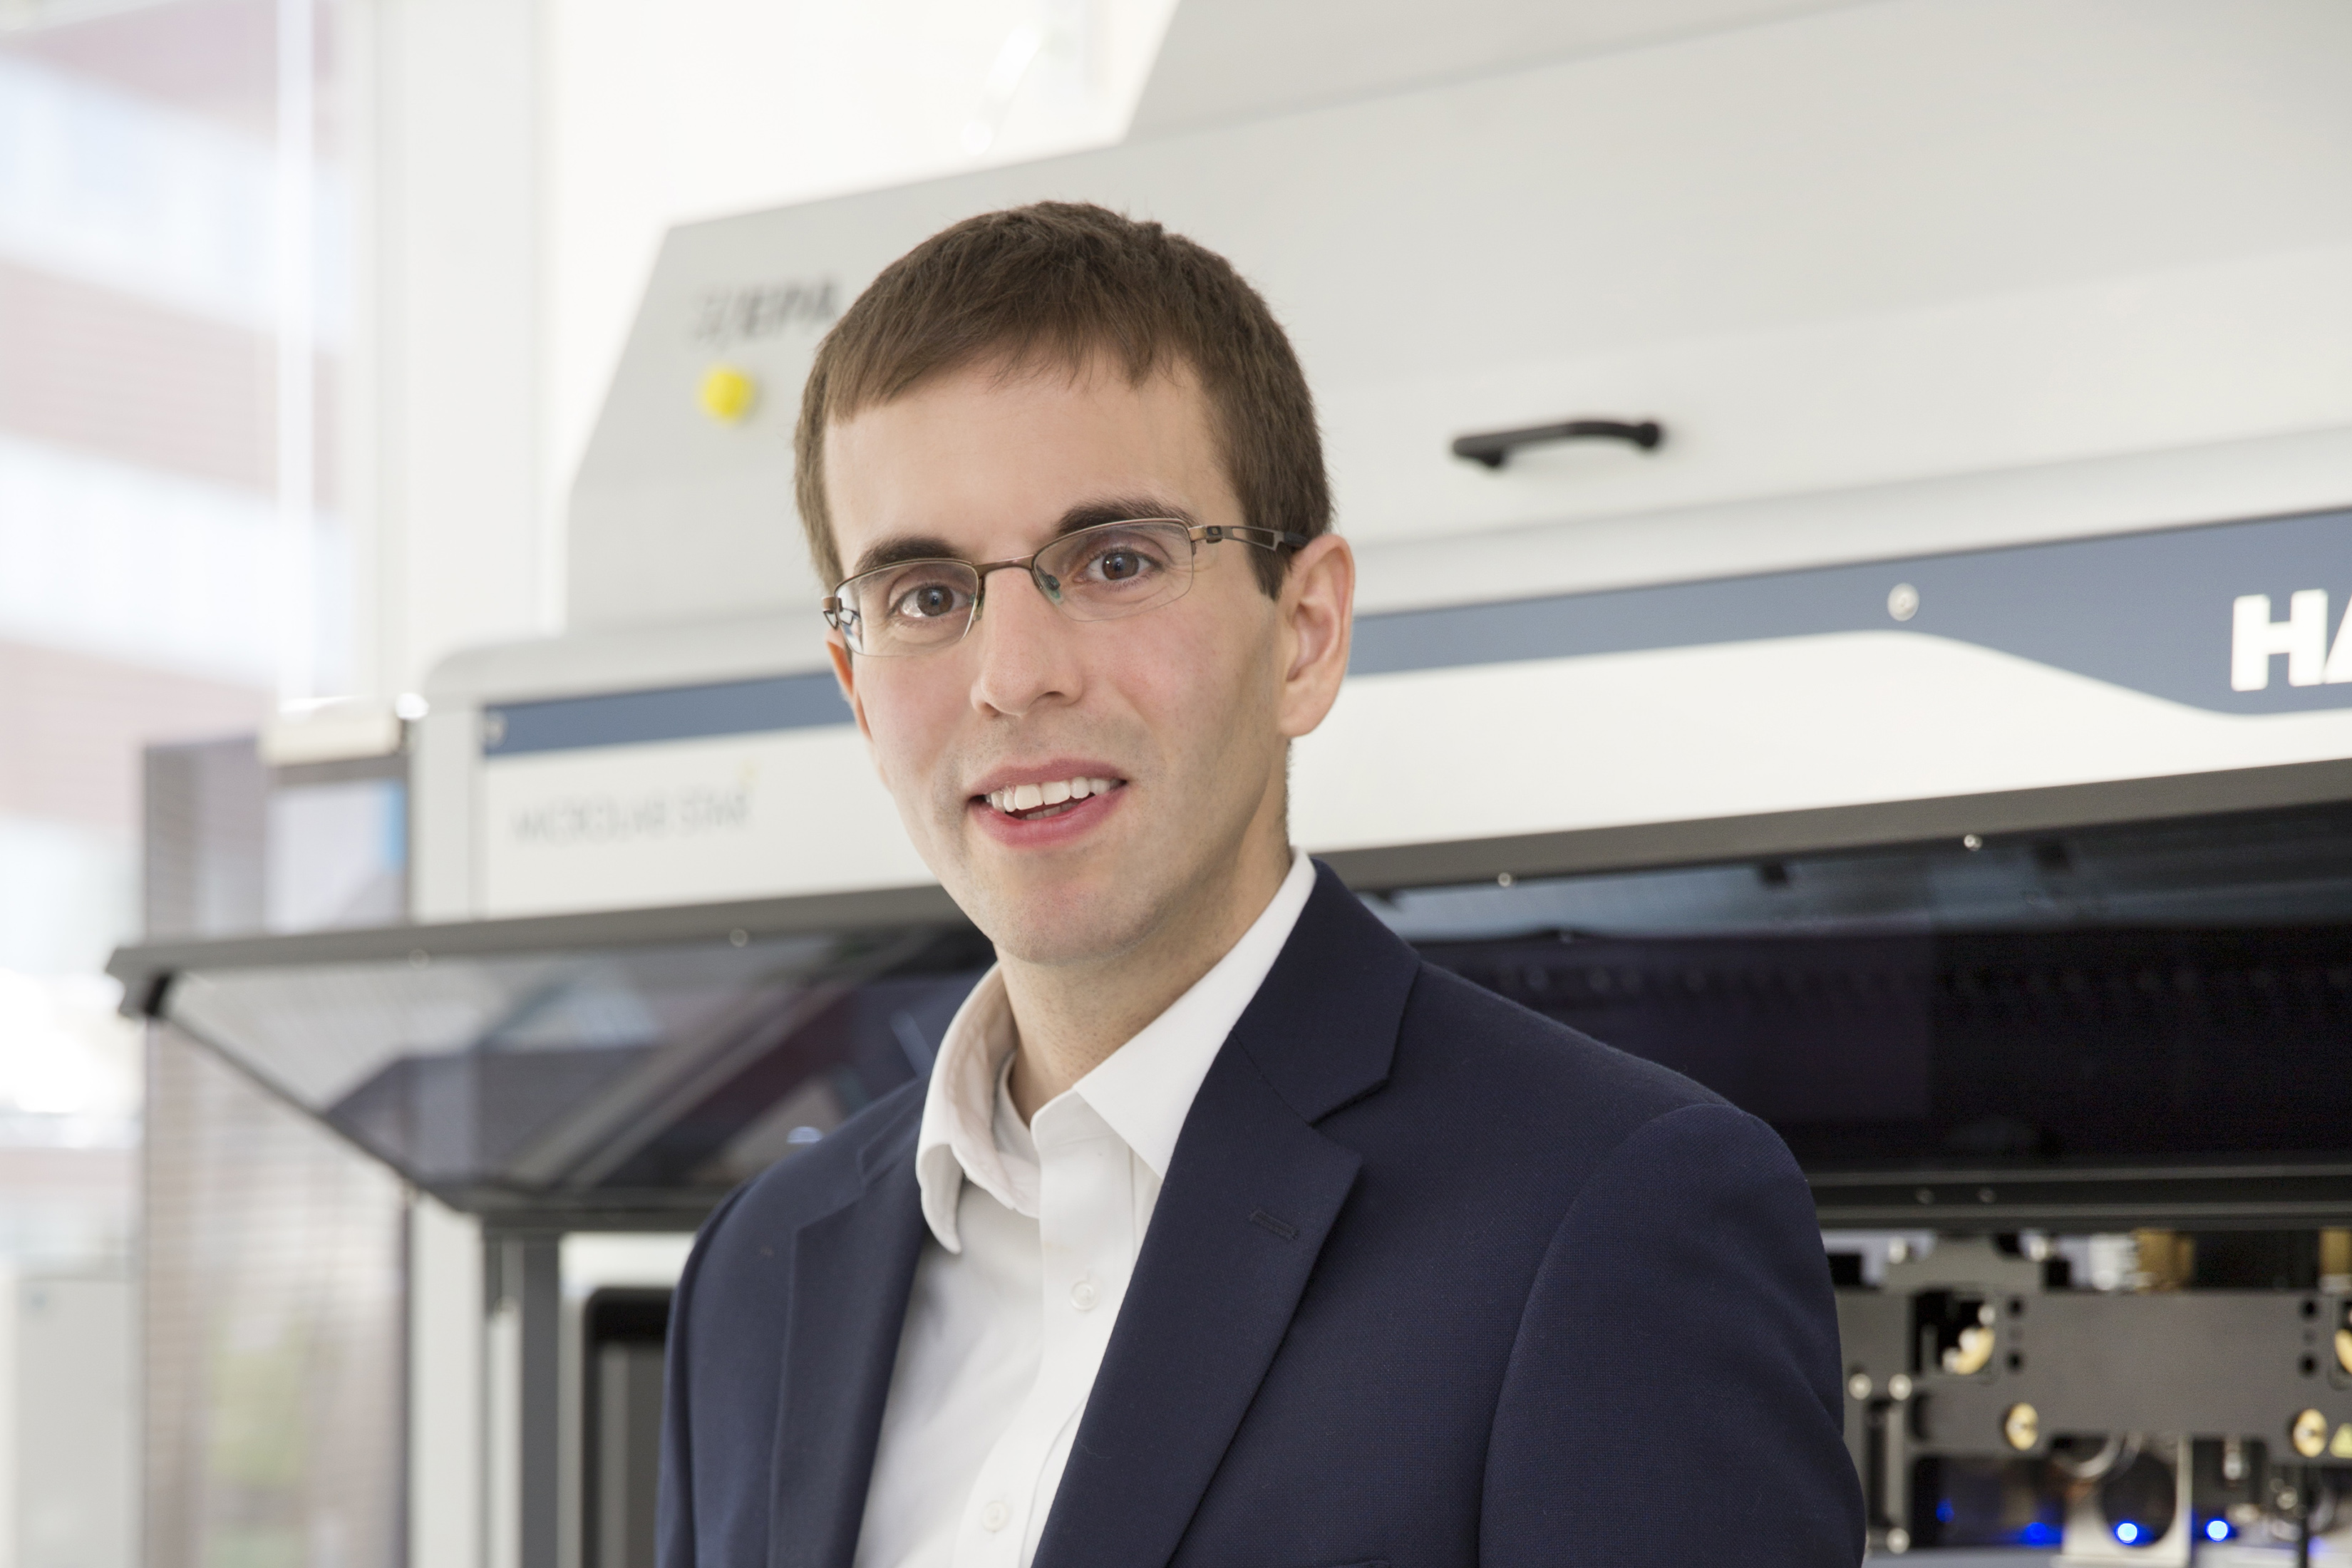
x,y
1432,1280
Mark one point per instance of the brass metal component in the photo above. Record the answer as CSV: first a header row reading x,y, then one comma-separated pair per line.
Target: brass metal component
x,y
1969,1356
2308,1435
2168,1260
2344,1349
2340,1445
2335,1255
2020,1427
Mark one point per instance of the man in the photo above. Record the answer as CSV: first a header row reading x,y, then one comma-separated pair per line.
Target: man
x,y
1225,1230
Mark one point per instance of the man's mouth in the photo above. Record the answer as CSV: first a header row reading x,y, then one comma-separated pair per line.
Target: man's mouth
x,y
1035,802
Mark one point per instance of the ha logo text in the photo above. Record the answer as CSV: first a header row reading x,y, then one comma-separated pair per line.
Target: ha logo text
x,y
2255,639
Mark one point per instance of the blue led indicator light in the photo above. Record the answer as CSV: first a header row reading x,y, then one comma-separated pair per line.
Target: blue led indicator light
x,y
2127,1532
2217,1529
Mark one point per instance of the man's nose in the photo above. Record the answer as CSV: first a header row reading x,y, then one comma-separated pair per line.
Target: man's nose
x,y
1026,655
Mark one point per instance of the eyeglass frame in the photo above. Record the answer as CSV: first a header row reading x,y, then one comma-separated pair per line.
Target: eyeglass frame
x,y
1197,533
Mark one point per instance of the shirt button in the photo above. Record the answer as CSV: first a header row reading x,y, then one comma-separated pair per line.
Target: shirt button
x,y
993,1516
1083,1295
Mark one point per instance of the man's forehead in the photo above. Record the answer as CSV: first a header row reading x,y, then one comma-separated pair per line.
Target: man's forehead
x,y
975,403
981,453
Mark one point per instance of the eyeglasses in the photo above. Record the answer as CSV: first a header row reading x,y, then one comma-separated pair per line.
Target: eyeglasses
x,y
1097,574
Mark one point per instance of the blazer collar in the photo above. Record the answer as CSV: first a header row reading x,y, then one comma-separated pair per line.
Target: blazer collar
x,y
1322,1029
852,1268
1253,1191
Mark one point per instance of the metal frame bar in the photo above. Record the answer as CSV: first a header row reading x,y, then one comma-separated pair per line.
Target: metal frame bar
x,y
144,968
524,1272
2184,1197
1881,825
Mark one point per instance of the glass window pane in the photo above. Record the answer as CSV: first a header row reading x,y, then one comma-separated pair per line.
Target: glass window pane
x,y
641,1066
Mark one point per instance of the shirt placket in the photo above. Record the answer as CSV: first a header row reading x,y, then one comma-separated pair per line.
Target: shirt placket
x,y
1084,1225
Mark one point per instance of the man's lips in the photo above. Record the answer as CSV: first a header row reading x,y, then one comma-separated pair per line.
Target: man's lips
x,y
1044,791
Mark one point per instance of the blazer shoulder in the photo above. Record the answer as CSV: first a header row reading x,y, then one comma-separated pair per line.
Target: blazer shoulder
x,y
1463,1040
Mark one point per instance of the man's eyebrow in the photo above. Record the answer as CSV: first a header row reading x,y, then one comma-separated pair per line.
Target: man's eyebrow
x,y
1120,509
903,547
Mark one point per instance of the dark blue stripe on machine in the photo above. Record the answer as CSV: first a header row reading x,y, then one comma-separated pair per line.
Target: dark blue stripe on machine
x,y
1623,620
2150,611
673,713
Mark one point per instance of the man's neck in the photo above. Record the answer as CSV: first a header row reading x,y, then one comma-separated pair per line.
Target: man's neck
x,y
1070,1018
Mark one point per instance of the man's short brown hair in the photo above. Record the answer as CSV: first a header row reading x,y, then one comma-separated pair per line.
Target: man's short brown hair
x,y
1065,282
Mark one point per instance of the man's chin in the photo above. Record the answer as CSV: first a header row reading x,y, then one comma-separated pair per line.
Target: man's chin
x,y
1072,919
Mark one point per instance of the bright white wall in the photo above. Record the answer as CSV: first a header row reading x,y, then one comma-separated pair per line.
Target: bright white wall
x,y
443,429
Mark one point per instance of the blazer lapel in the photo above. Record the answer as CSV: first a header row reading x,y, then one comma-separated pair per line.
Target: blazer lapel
x,y
1251,1192
852,1271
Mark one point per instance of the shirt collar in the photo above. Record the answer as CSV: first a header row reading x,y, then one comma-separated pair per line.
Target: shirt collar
x,y
956,1141
1143,1091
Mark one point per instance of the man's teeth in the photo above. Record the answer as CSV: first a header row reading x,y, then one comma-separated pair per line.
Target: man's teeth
x,y
1015,798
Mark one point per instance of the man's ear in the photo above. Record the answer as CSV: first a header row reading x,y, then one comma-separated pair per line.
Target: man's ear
x,y
846,675
1316,608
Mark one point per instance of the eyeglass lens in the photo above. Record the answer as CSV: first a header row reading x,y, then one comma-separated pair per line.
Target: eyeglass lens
x,y
1095,574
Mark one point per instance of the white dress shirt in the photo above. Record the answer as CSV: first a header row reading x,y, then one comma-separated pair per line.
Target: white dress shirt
x,y
1035,1233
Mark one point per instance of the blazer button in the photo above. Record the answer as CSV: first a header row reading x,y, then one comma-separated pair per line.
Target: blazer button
x,y
993,1516
1083,1296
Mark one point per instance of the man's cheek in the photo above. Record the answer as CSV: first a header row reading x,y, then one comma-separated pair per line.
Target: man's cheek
x,y
901,773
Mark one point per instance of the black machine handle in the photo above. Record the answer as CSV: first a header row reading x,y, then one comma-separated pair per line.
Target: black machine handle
x,y
1493,447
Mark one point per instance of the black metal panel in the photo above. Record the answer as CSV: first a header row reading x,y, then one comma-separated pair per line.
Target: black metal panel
x,y
622,1335
2193,1363
2119,1420
2126,1024
2000,1051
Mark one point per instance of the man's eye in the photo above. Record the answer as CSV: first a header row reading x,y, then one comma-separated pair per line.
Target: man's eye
x,y
926,601
1121,563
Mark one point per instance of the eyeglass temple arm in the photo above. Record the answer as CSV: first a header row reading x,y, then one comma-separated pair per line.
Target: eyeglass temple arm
x,y
1263,538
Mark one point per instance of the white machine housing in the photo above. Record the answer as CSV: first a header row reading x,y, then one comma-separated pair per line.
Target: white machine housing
x,y
1961,317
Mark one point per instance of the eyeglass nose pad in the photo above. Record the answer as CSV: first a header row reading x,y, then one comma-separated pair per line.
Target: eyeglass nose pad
x,y
1050,584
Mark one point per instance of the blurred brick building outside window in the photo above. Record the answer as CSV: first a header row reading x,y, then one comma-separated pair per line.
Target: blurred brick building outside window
x,y
173,304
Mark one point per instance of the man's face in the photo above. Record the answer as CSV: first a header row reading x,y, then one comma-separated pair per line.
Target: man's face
x,y
1185,711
